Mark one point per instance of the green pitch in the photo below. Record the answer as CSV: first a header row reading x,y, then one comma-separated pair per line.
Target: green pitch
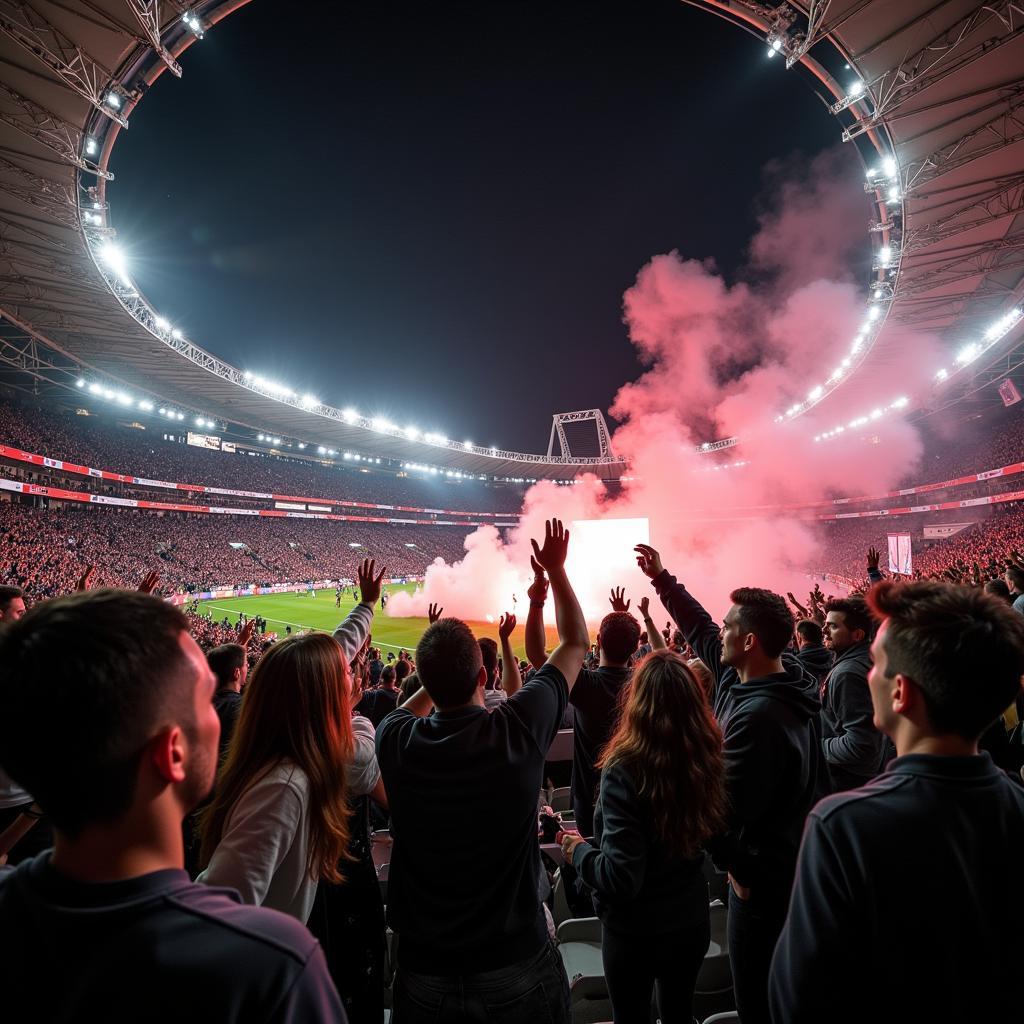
x,y
300,611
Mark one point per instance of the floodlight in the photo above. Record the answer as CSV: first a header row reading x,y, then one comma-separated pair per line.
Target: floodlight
x,y
900,402
885,254
941,375
321,450
349,415
968,353
180,415
90,147
162,410
309,401
856,88
112,100
889,166
162,324
894,194
301,445
331,452
412,433
815,393
79,383
200,422
878,293
277,440
467,445
876,414
146,406
873,313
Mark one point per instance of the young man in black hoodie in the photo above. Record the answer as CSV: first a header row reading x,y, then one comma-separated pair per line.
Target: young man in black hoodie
x,y
855,750
906,905
810,651
767,706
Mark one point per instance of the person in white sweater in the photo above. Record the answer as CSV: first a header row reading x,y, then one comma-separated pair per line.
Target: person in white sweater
x,y
278,821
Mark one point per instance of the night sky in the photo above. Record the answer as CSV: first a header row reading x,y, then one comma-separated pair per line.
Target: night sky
x,y
430,211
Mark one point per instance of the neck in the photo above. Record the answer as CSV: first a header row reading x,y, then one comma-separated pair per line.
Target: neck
x,y
604,662
759,668
913,742
126,849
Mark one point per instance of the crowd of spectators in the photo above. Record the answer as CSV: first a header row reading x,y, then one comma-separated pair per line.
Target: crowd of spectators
x,y
104,442
46,550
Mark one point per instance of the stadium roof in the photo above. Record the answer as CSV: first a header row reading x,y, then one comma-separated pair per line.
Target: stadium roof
x,y
941,91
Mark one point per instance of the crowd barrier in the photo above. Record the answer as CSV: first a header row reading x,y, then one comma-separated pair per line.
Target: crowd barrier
x,y
17,455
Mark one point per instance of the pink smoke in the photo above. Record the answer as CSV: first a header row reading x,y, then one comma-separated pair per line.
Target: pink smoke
x,y
720,360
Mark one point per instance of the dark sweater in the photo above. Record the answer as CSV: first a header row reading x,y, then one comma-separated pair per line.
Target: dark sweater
x,y
855,750
907,905
639,887
774,766
156,948
816,658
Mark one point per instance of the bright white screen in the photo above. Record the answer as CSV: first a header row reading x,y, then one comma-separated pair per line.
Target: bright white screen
x,y
601,557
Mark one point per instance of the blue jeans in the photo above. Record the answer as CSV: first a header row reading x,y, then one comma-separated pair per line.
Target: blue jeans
x,y
534,991
753,929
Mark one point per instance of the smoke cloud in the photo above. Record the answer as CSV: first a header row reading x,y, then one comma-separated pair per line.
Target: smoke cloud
x,y
721,359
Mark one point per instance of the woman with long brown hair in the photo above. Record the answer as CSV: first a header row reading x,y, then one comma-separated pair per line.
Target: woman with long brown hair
x,y
278,822
662,797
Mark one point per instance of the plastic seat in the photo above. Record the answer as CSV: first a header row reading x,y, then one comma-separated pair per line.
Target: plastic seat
x,y
713,993
560,800
579,945
730,1017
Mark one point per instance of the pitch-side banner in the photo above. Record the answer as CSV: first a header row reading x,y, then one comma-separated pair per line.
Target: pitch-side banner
x,y
900,559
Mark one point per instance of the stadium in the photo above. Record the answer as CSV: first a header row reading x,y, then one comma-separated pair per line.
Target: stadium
x,y
836,412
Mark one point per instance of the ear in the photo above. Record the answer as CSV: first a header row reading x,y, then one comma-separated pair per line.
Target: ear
x,y
481,678
906,695
749,641
859,635
167,752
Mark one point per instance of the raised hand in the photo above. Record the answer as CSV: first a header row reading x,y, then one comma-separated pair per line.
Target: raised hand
x,y
797,605
149,582
434,612
618,605
506,624
556,546
369,581
85,582
645,607
246,632
538,591
649,560
873,557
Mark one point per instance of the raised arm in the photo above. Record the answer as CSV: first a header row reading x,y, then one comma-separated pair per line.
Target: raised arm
x,y
654,637
511,680
573,639
699,629
352,633
535,637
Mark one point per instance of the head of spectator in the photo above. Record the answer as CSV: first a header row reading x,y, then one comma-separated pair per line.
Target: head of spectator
x,y
808,634
847,623
1014,579
948,661
297,708
12,603
489,655
230,664
403,669
450,665
388,677
755,632
703,676
111,683
668,739
998,588
617,639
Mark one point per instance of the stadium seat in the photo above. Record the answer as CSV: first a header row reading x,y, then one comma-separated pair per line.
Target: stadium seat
x,y
731,1017
714,991
560,799
579,945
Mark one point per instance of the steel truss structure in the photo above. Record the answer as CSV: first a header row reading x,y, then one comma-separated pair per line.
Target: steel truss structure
x,y
941,92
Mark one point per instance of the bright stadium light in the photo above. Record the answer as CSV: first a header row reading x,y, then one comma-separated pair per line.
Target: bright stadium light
x,y
331,452
180,415
200,422
309,402
90,146
321,450
856,88
162,324
942,375
260,437
302,445
894,195
194,24
349,415
412,433
885,255
113,256
113,101
79,383
889,167
877,293
176,334
815,393
967,353
277,440
873,313
145,405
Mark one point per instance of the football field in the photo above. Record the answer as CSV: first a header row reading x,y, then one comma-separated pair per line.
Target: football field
x,y
300,611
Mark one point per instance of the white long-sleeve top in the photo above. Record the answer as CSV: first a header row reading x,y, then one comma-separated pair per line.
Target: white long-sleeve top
x,y
264,846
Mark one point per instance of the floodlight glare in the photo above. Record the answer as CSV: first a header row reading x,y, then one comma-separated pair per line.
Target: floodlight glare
x,y
878,293
309,402
349,415
112,100
889,166
815,393
941,375
91,147
856,88
146,406
79,383
162,324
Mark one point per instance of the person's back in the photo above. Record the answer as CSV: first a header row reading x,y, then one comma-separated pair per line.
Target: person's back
x,y
77,949
953,911
463,787
905,905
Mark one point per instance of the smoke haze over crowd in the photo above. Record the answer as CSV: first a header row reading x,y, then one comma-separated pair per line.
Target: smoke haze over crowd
x,y
722,358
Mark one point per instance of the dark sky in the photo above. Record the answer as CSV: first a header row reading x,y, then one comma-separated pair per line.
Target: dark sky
x,y
431,211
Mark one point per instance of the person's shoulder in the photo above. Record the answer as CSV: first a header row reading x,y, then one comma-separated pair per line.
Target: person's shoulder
x,y
880,791
545,677
362,727
283,775
246,929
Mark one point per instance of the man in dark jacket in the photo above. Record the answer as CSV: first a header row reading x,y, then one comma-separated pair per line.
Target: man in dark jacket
x,y
810,651
767,706
906,905
855,750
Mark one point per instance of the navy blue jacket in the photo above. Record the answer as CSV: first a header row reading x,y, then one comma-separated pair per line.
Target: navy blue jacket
x,y
775,769
907,904
639,886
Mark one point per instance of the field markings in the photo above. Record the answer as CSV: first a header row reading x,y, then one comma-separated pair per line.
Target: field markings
x,y
300,625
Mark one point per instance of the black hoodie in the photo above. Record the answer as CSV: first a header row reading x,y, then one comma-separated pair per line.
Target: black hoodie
x,y
774,766
816,658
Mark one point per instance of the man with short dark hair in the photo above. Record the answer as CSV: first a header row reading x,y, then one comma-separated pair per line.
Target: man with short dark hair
x,y
998,588
12,603
854,749
377,704
230,664
810,651
767,706
489,656
472,939
1014,579
594,698
106,716
906,905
